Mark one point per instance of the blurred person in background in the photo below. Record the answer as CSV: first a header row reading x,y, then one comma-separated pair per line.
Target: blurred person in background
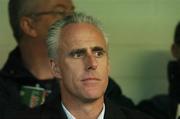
x,y
167,106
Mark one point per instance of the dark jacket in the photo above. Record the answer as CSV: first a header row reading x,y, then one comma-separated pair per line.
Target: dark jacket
x,y
174,86
54,110
158,107
165,106
14,75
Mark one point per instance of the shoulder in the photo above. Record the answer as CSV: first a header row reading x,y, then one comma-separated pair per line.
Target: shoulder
x,y
8,87
118,112
9,101
115,94
50,110
158,106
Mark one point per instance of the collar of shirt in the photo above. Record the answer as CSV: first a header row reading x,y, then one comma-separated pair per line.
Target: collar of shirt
x,y
70,116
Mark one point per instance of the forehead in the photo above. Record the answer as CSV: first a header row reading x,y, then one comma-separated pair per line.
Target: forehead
x,y
52,4
82,33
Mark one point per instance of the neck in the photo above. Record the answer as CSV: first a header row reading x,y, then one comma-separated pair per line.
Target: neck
x,y
35,59
82,110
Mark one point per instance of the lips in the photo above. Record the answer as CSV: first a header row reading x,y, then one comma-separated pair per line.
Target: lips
x,y
91,79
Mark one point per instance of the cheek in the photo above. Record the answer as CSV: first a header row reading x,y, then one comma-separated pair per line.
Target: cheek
x,y
72,69
71,74
45,25
105,73
104,67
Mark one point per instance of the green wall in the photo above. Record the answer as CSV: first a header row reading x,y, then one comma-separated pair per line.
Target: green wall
x,y
140,35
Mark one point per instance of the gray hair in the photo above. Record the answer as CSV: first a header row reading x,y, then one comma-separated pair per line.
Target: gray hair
x,y
55,30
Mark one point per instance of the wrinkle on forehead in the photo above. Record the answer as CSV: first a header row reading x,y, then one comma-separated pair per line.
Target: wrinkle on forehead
x,y
81,35
78,30
42,5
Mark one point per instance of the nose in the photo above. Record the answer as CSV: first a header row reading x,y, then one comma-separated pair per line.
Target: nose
x,y
91,62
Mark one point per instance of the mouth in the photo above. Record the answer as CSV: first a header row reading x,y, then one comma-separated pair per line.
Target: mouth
x,y
90,79
91,82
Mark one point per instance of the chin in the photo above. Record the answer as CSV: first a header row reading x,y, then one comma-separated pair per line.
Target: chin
x,y
92,99
92,96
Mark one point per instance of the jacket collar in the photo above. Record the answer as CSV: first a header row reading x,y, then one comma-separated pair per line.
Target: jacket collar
x,y
14,66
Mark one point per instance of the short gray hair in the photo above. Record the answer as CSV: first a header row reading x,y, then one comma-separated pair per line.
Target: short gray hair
x,y
55,30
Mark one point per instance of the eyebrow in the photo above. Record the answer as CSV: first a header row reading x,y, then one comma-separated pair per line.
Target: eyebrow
x,y
97,48
81,50
84,50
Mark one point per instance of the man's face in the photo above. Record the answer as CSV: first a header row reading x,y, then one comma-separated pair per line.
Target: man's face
x,y
83,62
48,12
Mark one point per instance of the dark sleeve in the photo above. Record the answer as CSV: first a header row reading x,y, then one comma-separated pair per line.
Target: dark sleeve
x,y
134,114
9,103
157,107
114,94
114,111
3,102
5,105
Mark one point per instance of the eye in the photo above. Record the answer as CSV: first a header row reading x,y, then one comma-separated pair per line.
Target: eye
x,y
99,54
78,55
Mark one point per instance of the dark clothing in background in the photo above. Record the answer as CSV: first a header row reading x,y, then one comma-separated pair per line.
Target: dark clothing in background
x,y
158,107
174,86
174,79
54,110
14,75
165,106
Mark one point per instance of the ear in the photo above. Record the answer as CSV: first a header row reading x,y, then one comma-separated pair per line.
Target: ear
x,y
175,49
28,27
55,69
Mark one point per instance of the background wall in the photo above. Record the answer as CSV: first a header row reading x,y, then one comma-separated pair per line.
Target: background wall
x,y
140,35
